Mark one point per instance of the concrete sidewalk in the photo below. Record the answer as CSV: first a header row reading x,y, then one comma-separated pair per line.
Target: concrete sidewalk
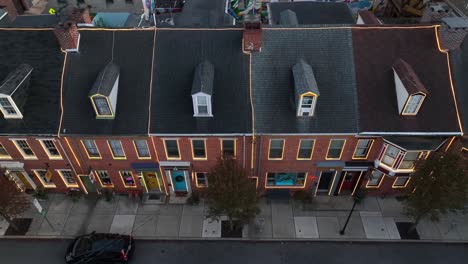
x,y
373,219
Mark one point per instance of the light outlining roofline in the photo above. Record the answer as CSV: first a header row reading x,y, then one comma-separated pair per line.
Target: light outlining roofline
x,y
450,78
252,144
414,133
151,82
61,93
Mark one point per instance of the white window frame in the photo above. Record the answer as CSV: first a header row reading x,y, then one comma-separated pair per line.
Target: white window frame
x,y
311,110
47,151
87,150
371,183
368,148
109,106
7,156
64,179
311,150
204,148
5,113
45,184
282,148
137,149
20,149
234,143
329,147
409,102
98,175
385,154
196,104
121,174
165,148
112,149
406,178
205,174
413,161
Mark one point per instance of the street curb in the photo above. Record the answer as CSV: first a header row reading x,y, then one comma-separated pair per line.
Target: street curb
x,y
257,240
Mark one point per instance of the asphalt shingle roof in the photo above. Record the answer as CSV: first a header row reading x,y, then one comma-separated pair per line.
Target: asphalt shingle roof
x,y
313,13
459,59
178,53
133,53
40,49
378,107
329,53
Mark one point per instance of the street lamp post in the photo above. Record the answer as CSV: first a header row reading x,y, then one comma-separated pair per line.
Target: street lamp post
x,y
357,198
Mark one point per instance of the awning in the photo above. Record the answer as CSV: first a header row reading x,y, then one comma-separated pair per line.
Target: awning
x,y
358,165
330,164
174,164
147,166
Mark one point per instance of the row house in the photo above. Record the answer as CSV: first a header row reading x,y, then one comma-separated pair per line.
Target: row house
x,y
317,109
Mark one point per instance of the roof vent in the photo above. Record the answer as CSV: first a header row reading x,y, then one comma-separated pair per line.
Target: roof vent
x,y
13,92
202,89
104,92
288,17
409,89
305,88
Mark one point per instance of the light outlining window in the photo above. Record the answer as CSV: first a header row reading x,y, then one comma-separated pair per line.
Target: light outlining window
x,y
202,105
294,180
305,149
4,153
335,149
9,108
91,149
24,148
50,148
68,179
141,148
276,149
228,147
375,179
199,149
401,182
102,106
45,177
104,178
390,156
116,149
363,148
413,103
201,179
409,160
171,147
127,179
307,103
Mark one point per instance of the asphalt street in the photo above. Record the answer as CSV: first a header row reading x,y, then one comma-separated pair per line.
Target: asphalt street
x,y
207,252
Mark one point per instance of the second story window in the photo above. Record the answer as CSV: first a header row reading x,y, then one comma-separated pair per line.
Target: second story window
x,y
335,148
198,149
305,150
390,155
116,149
4,153
24,149
172,148
91,149
50,148
362,148
228,147
409,160
276,149
141,147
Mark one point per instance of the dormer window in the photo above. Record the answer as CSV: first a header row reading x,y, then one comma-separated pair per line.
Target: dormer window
x,y
305,88
104,92
409,89
202,90
13,92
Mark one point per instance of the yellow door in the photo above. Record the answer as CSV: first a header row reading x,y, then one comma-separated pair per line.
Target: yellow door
x,y
151,180
23,179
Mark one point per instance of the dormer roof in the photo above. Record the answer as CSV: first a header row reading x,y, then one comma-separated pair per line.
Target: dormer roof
x,y
288,17
203,78
17,79
408,77
304,79
105,80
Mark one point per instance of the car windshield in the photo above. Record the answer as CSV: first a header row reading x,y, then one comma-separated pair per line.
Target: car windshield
x,y
82,245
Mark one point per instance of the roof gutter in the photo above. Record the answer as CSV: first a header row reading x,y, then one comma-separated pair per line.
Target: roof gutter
x,y
413,133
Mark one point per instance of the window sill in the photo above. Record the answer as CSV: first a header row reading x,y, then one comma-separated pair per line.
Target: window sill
x,y
285,187
6,158
30,158
144,158
72,186
275,158
107,185
49,186
55,158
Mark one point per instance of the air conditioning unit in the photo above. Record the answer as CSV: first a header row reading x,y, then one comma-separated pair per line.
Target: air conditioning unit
x,y
439,7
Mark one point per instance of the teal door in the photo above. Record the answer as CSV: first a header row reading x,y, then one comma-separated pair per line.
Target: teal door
x,y
178,180
90,187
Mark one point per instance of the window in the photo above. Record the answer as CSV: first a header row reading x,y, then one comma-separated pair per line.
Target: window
x,y
305,149
67,178
91,149
45,177
400,181
127,178
390,155
276,149
8,110
24,148
362,148
172,148
142,149
102,106
198,149
335,148
104,178
375,179
228,147
408,160
202,105
116,149
3,153
307,106
286,179
202,179
413,104
50,148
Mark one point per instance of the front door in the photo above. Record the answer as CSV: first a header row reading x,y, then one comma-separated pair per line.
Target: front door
x,y
179,181
349,181
88,184
325,181
151,180
26,183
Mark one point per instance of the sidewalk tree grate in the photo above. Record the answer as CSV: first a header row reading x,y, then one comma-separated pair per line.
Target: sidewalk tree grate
x,y
23,227
404,228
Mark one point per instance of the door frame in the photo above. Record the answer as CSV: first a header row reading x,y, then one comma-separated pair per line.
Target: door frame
x,y
168,174
13,173
361,172
84,186
331,187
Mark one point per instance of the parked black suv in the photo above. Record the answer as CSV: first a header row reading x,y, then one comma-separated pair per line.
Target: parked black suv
x,y
99,248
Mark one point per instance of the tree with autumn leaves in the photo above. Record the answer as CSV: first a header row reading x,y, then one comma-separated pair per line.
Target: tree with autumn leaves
x,y
13,202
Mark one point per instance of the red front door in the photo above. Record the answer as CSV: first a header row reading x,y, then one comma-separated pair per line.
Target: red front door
x,y
349,180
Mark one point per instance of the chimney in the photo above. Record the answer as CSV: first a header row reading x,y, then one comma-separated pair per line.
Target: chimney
x,y
67,35
14,8
78,15
452,32
252,37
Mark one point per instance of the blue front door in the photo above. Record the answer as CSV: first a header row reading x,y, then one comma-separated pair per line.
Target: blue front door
x,y
178,180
